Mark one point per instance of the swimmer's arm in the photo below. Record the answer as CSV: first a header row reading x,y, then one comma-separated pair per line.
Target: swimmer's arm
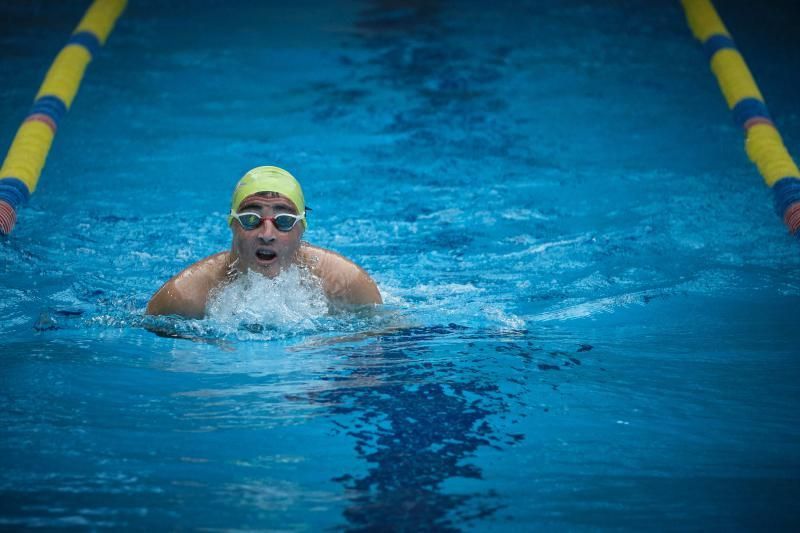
x,y
362,290
343,281
186,294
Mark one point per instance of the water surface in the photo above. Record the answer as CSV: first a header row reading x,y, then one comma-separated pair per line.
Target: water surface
x,y
591,307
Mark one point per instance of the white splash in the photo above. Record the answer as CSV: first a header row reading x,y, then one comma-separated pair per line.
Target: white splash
x,y
294,300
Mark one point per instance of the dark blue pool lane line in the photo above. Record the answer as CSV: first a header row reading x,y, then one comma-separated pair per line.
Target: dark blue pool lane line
x,y
25,159
88,40
763,142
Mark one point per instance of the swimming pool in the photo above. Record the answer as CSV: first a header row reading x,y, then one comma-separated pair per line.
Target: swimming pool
x,y
591,307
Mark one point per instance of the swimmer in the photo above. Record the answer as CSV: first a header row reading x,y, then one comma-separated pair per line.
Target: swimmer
x,y
267,219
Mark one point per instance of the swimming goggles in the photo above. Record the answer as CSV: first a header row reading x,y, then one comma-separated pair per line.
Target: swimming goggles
x,y
283,221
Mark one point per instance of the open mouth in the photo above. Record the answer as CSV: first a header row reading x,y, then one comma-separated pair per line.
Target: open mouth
x,y
266,255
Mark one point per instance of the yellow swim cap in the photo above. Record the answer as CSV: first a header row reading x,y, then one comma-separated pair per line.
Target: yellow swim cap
x,y
269,179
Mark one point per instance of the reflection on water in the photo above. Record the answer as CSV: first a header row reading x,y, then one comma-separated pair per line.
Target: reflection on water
x,y
419,409
415,423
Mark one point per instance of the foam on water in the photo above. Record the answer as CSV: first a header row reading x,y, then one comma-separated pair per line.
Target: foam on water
x,y
293,301
293,304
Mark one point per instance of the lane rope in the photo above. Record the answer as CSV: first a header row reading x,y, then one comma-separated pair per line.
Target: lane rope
x,y
763,143
25,159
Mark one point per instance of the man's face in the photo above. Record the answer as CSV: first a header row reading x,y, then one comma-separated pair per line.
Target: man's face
x,y
265,249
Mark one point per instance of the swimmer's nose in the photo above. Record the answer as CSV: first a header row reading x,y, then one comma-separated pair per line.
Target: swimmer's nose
x,y
266,232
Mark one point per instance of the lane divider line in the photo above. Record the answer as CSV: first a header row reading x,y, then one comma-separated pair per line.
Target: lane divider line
x,y
763,143
25,159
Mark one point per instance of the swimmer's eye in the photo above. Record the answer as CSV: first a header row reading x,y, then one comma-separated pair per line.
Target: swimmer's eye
x,y
285,221
249,221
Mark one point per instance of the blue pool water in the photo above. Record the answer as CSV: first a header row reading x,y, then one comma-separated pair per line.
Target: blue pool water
x,y
591,315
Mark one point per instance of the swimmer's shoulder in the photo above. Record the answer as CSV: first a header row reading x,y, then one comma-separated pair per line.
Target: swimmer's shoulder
x,y
186,293
342,280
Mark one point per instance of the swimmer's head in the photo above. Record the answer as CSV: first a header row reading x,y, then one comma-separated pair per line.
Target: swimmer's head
x,y
269,179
